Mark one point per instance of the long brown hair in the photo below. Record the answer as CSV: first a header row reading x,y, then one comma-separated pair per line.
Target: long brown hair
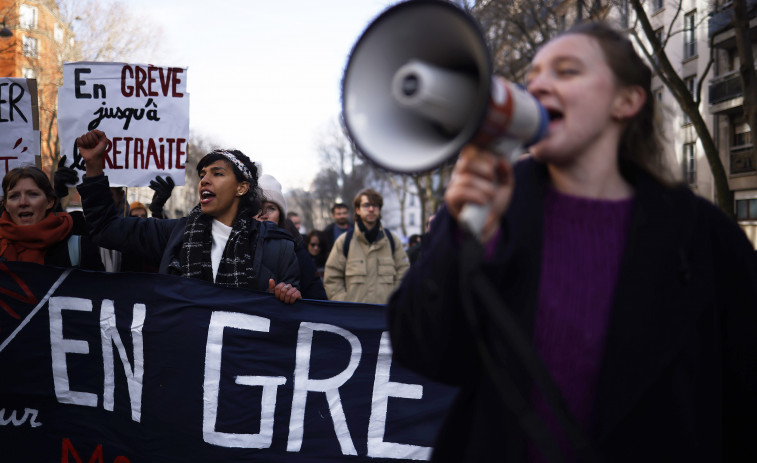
x,y
641,142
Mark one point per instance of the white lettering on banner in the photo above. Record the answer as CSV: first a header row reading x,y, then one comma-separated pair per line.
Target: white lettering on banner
x,y
109,335
61,346
29,413
382,390
330,386
303,384
213,351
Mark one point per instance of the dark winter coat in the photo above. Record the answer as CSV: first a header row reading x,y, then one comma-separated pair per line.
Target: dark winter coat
x,y
158,241
58,255
678,380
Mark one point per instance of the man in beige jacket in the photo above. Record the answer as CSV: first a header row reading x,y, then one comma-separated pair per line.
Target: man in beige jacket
x,y
375,261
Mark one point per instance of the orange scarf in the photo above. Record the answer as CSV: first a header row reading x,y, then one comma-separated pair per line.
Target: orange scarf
x,y
29,243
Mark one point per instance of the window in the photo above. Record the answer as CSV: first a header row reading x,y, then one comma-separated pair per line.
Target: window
x,y
746,209
624,13
412,200
58,33
658,36
742,154
691,85
741,135
31,47
657,5
28,73
689,163
690,35
411,219
27,17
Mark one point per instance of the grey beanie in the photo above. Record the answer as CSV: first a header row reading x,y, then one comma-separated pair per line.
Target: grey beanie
x,y
272,192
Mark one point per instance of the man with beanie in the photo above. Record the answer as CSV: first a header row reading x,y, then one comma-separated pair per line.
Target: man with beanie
x,y
367,263
137,209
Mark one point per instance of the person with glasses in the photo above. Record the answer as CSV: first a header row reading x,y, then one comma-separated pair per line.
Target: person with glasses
x,y
314,242
365,265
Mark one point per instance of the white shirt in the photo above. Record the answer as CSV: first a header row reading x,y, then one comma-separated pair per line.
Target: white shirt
x,y
220,234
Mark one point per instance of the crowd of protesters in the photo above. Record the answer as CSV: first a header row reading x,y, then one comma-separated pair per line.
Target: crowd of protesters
x,y
241,233
636,297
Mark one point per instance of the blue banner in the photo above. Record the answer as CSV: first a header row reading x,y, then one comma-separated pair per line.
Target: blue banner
x,y
127,368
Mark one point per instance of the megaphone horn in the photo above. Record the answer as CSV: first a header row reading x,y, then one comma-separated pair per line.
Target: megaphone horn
x,y
418,86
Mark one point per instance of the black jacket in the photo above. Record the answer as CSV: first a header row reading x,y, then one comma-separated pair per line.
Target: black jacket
x,y
311,285
678,380
58,255
158,241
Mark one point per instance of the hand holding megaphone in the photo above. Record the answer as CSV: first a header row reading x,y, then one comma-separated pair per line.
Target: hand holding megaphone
x,y
418,87
480,190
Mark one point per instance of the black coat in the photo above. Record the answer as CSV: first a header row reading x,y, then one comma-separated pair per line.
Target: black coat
x,y
159,241
678,380
311,285
89,255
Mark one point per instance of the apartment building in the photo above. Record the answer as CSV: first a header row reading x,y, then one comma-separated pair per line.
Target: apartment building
x,y
725,104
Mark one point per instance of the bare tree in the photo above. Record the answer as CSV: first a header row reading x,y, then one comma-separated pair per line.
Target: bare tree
x,y
95,31
108,31
654,48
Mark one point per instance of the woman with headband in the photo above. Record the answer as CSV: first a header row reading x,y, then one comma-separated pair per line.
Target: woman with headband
x,y
219,241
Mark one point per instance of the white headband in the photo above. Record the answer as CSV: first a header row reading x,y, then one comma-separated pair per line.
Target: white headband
x,y
234,160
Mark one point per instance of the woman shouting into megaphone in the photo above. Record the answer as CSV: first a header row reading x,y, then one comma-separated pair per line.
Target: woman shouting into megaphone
x,y
610,313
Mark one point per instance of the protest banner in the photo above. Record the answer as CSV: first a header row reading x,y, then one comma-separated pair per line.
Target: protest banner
x,y
19,123
157,368
144,110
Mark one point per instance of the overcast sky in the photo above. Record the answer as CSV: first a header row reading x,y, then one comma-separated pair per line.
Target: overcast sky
x,y
263,76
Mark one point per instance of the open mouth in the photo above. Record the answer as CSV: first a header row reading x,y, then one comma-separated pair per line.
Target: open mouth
x,y
206,196
25,215
554,115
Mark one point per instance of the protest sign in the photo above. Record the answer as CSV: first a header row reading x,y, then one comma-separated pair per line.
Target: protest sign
x,y
143,109
19,123
146,368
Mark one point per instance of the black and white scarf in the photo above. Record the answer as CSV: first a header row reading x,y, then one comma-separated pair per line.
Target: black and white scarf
x,y
236,267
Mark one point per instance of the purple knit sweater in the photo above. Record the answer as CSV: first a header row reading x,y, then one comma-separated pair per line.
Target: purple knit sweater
x,y
583,244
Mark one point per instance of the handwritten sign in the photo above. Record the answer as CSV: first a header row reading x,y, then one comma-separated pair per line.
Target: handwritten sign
x,y
183,370
19,137
144,110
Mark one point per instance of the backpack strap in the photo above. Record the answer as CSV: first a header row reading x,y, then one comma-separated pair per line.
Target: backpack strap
x,y
74,250
390,238
348,238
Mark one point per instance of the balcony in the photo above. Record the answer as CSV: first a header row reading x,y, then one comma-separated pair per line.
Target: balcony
x,y
725,87
720,19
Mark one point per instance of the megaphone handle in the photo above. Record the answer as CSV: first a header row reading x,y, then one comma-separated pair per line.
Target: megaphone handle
x,y
473,217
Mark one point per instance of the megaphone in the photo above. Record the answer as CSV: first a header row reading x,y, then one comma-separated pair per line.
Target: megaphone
x,y
418,86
